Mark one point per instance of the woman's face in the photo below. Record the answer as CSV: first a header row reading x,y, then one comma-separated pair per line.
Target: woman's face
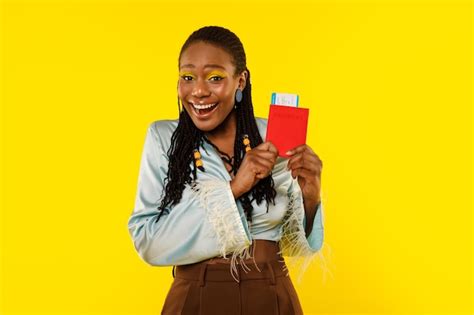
x,y
207,84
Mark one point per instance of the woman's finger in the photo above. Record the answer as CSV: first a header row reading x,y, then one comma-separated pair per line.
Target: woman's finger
x,y
301,159
299,149
260,170
306,174
263,162
267,146
265,154
305,164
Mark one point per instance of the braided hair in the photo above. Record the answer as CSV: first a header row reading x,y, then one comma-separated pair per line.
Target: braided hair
x,y
188,137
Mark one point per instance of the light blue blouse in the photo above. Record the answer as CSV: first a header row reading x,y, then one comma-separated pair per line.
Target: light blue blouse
x,y
208,221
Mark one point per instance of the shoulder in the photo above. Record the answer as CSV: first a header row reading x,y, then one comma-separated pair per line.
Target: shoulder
x,y
164,126
262,126
162,130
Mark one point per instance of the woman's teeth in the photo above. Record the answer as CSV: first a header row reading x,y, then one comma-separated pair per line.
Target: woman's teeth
x,y
204,106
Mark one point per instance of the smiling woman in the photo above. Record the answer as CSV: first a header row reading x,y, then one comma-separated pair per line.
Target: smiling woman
x,y
207,85
215,200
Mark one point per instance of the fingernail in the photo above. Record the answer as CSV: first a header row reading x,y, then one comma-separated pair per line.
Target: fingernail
x,y
289,152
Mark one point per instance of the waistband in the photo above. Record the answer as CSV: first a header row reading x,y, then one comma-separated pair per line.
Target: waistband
x,y
220,272
261,251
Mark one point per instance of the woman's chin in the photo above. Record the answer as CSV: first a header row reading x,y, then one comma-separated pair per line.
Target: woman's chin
x,y
206,125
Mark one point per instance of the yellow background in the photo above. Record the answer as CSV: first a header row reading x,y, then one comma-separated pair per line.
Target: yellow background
x,y
389,87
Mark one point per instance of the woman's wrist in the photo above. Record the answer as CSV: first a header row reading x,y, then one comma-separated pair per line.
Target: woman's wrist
x,y
235,190
311,204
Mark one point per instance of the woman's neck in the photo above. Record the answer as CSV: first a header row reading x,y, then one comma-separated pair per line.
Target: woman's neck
x,y
224,134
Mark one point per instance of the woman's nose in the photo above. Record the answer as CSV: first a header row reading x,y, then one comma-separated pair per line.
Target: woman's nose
x,y
200,89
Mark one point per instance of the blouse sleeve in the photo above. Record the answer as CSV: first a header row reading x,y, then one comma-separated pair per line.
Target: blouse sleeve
x,y
204,224
315,238
294,241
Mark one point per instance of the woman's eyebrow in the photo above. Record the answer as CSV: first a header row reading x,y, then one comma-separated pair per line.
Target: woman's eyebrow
x,y
211,65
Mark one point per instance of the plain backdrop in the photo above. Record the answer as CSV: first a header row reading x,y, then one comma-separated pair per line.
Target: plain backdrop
x,y
389,88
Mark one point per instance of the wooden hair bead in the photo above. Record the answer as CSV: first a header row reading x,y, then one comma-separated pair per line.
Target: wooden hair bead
x,y
247,143
197,159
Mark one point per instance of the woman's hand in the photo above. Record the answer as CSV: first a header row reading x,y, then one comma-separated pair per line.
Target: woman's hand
x,y
305,164
257,164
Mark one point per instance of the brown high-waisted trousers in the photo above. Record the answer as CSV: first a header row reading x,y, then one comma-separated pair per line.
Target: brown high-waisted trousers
x,y
207,287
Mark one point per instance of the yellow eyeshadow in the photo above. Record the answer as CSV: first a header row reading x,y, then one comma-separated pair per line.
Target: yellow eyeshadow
x,y
186,73
221,74
213,73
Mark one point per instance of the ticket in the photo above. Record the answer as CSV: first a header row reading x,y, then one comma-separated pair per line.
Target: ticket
x,y
285,99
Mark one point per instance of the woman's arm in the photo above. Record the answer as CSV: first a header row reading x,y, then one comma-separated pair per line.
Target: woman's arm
x,y
204,224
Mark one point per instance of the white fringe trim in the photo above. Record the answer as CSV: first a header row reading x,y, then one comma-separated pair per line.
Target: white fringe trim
x,y
294,243
225,219
226,222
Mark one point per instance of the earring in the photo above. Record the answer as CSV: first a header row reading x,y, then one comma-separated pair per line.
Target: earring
x,y
198,160
238,95
247,143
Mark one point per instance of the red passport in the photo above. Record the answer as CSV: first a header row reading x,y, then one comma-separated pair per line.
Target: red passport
x,y
286,127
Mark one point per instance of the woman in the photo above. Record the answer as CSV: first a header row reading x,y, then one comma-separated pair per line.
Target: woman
x,y
216,201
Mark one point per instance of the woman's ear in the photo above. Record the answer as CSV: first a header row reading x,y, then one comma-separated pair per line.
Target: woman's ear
x,y
243,79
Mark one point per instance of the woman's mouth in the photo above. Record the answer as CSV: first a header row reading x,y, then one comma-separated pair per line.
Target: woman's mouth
x,y
204,110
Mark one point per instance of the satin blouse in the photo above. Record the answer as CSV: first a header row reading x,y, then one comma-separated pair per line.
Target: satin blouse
x,y
209,221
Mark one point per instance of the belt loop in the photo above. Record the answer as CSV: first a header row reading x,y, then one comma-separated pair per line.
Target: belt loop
x,y
172,272
272,274
202,274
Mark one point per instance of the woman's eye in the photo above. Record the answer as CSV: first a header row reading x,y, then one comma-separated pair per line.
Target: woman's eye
x,y
185,77
215,77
